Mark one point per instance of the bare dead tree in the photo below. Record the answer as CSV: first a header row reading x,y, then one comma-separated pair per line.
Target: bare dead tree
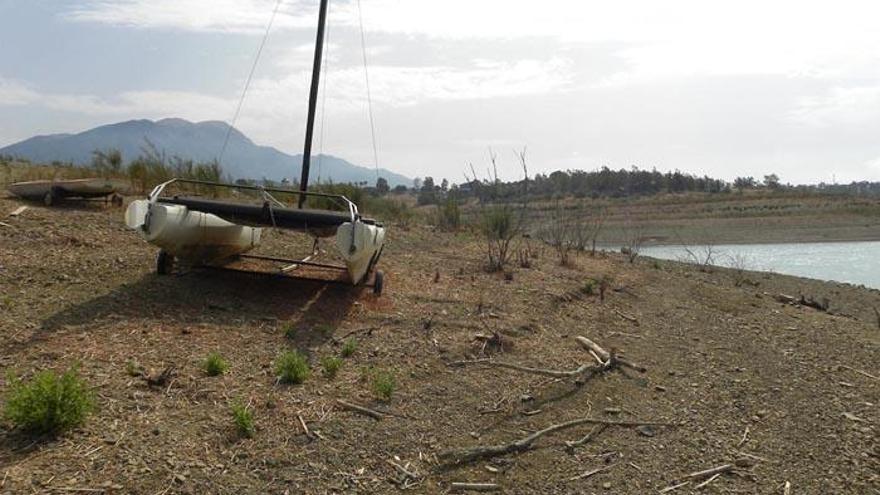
x,y
738,263
563,231
595,223
633,239
701,253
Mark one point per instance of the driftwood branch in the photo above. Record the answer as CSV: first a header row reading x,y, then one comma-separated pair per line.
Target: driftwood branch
x,y
365,330
810,302
709,475
863,373
523,444
474,487
724,468
591,472
541,371
595,432
589,345
604,356
606,361
360,409
627,317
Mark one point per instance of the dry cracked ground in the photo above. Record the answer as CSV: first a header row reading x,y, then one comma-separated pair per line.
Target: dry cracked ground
x,y
786,395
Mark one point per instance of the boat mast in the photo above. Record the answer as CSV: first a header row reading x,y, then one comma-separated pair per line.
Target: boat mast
x,y
313,99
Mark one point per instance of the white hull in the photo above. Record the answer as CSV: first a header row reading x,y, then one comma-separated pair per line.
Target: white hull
x,y
359,244
85,188
191,236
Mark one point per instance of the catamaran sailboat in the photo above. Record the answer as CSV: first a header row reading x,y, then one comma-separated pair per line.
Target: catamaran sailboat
x,y
210,232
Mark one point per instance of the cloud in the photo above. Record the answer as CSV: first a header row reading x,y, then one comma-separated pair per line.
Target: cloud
x,y
14,93
840,106
236,16
671,39
145,103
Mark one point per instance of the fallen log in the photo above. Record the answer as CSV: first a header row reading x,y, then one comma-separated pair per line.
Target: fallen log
x,y
786,299
812,303
604,356
592,346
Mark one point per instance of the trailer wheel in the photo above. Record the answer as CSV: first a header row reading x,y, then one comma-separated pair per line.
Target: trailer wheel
x,y
378,283
50,198
164,263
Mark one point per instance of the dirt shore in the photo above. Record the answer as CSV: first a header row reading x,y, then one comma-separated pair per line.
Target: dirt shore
x,y
752,217
732,373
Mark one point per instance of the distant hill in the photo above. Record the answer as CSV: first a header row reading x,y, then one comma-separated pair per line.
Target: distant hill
x,y
199,141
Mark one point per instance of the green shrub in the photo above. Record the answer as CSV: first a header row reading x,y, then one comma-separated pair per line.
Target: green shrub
x,y
448,214
331,365
290,331
214,364
291,367
243,419
48,403
589,287
348,348
383,384
389,209
500,227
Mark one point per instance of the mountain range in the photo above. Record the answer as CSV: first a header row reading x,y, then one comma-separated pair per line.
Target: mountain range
x,y
198,141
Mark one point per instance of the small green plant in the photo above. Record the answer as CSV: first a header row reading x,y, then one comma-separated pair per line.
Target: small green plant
x,y
324,328
291,367
348,348
132,368
589,287
243,419
48,403
656,265
214,364
383,384
290,331
331,365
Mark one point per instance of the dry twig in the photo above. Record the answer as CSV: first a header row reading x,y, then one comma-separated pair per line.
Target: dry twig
x,y
523,444
595,432
591,472
360,409
627,317
474,487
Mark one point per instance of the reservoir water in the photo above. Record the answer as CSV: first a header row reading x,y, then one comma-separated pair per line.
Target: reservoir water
x,y
853,262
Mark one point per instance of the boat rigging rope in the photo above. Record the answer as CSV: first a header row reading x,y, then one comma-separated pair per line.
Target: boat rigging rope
x,y
248,81
369,95
324,94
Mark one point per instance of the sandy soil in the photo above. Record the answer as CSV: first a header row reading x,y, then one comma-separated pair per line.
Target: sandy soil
x,y
733,372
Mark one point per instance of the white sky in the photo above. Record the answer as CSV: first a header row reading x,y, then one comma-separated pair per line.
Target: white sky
x,y
725,89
